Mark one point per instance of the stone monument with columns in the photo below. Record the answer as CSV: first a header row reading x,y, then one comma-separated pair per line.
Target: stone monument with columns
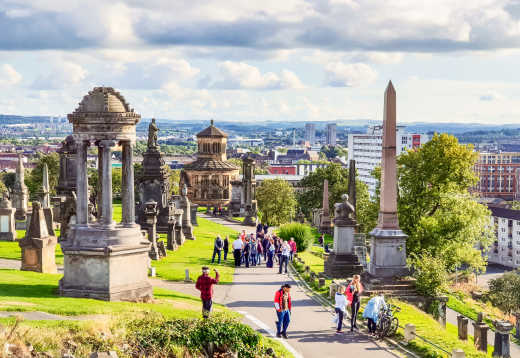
x,y
104,259
388,241
38,247
20,193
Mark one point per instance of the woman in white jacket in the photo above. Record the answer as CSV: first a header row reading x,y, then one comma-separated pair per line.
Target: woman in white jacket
x,y
341,304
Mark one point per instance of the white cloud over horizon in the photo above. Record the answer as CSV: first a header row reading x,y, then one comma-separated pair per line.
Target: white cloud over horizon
x,y
271,60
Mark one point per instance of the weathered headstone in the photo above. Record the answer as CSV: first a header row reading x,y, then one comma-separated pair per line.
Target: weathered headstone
x,y
193,216
388,241
185,205
105,260
7,221
502,341
150,213
462,327
249,188
442,301
20,193
325,223
38,247
480,330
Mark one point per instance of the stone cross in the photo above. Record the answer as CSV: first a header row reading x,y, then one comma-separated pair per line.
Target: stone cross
x,y
46,187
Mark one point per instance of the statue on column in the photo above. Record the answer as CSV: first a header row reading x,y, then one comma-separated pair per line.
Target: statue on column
x,y
344,212
152,134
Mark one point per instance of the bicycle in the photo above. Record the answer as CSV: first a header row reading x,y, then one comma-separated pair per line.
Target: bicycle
x,y
387,324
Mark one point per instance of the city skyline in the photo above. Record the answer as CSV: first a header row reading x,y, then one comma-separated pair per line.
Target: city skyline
x,y
316,61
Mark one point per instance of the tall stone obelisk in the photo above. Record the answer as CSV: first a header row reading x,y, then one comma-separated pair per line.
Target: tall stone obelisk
x,y
325,223
46,187
388,241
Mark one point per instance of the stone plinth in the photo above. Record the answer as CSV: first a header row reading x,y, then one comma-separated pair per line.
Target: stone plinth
x,y
462,327
480,330
194,210
342,262
343,239
38,247
7,221
387,253
502,341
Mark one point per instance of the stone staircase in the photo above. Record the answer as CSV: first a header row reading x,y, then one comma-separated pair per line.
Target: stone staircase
x,y
401,288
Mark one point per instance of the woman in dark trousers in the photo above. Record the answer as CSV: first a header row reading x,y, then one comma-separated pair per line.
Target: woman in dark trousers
x,y
354,291
226,247
247,251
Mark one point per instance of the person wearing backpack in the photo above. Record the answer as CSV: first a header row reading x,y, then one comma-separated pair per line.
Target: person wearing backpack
x,y
283,306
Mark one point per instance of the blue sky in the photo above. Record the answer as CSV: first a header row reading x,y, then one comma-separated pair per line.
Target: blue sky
x,y
322,60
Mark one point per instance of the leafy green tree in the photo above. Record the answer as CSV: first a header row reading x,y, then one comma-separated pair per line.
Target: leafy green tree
x,y
504,292
276,201
430,274
312,195
174,177
435,208
34,179
8,179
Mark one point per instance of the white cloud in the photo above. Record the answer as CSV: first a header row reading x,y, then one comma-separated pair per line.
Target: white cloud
x,y
240,75
339,74
62,74
8,75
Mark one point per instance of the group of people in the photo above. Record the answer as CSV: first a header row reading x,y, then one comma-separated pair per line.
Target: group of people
x,y
250,249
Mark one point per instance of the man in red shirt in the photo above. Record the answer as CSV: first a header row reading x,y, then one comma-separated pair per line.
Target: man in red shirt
x,y
293,246
283,306
205,286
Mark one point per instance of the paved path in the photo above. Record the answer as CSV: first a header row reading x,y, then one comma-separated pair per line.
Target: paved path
x,y
311,333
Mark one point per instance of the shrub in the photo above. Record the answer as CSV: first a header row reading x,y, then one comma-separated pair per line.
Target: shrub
x,y
430,273
156,336
301,233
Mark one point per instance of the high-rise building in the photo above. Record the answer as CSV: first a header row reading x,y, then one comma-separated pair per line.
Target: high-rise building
x,y
498,174
365,149
331,134
310,133
505,250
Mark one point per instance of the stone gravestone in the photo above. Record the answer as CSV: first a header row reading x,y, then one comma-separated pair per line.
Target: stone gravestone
x,y
194,211
20,193
7,221
342,261
66,179
388,241
502,342
38,247
47,209
480,330
153,183
104,259
249,188
150,212
325,224
185,205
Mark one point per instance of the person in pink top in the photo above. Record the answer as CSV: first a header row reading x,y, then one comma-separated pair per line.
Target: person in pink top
x,y
294,248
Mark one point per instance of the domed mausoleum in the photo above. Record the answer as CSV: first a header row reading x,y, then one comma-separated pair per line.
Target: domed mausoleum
x,y
209,177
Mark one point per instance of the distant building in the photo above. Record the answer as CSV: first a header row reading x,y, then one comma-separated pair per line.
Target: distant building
x,y
498,174
282,169
310,133
365,149
506,248
302,169
331,134
245,142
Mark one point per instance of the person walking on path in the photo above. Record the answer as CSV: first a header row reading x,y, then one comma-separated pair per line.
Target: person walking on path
x,y
265,243
217,249
205,286
254,251
278,248
259,251
270,253
226,247
247,251
283,306
294,248
285,253
237,251
354,291
340,307
371,312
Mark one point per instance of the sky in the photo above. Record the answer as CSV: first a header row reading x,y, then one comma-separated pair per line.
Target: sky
x,y
265,60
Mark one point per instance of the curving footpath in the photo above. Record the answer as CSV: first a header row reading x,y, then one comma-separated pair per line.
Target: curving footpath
x,y
311,332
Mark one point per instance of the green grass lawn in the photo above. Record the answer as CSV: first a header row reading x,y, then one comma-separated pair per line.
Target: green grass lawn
x,y
315,263
196,253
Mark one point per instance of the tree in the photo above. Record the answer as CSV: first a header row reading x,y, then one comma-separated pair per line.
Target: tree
x,y
435,208
34,179
312,195
174,177
8,179
504,292
276,201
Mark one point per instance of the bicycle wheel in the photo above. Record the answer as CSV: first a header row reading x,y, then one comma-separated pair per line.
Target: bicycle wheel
x,y
382,327
394,325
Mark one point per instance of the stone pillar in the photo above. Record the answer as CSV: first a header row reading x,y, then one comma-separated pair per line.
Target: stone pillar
x,y
171,244
442,310
106,181
82,184
480,330
46,187
462,327
100,185
151,219
502,331
127,189
409,332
